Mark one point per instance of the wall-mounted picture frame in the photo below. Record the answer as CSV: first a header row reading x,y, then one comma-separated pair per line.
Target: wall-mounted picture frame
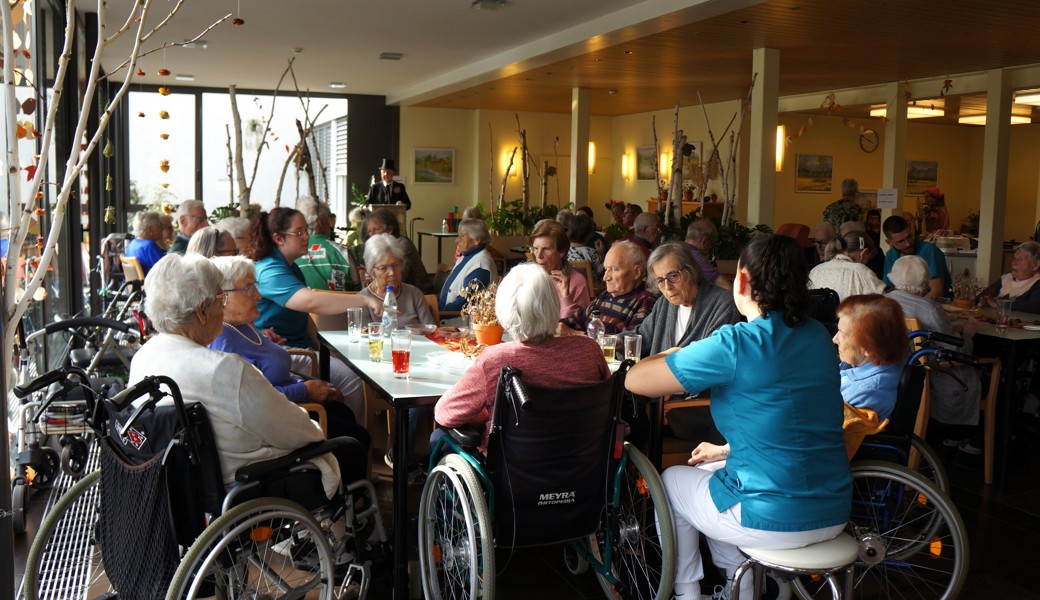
x,y
814,173
867,199
646,163
921,175
435,165
691,162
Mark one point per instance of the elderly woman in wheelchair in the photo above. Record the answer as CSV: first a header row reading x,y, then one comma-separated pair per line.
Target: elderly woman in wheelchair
x,y
542,462
781,424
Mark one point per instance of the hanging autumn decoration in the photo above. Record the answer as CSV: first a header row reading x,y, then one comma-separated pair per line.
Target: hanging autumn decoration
x,y
164,165
946,86
164,72
140,72
164,115
236,21
140,114
164,136
109,150
164,91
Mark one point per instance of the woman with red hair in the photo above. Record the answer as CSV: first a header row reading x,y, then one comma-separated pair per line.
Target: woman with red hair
x,y
872,346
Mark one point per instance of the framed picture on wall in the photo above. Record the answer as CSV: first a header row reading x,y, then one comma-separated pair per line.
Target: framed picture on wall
x,y
692,161
814,173
646,163
921,175
434,165
867,199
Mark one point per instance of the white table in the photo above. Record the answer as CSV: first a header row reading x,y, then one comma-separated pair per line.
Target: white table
x,y
424,386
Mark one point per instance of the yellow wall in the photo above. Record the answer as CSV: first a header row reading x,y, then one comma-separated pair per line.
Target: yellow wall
x,y
958,149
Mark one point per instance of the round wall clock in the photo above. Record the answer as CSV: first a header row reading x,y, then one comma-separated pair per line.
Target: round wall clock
x,y
868,140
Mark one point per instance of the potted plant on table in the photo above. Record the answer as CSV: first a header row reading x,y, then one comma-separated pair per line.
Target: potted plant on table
x,y
965,289
480,307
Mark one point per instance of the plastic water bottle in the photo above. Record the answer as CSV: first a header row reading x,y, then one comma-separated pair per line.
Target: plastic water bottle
x,y
389,312
444,226
595,328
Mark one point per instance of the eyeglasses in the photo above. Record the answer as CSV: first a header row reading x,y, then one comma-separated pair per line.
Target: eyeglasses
x,y
249,289
296,233
222,298
395,266
903,242
228,252
820,242
673,278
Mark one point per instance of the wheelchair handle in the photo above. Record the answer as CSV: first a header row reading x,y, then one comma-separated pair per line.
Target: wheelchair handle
x,y
68,324
935,336
958,357
152,387
49,378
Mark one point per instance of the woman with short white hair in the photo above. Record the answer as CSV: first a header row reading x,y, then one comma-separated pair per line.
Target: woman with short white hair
x,y
951,403
239,228
148,230
528,307
474,264
211,241
251,420
384,258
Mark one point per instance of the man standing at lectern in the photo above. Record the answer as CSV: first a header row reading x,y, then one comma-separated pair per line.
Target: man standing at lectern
x,y
388,191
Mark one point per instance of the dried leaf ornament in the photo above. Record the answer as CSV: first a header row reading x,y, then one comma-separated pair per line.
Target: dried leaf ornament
x,y
164,165
164,115
110,149
110,214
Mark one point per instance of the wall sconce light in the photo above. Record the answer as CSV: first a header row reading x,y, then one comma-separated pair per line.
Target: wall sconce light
x,y
592,157
781,141
666,165
506,154
626,167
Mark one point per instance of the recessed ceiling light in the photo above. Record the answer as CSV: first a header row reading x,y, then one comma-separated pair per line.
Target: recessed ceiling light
x,y
197,44
488,4
628,52
981,120
391,56
184,77
337,85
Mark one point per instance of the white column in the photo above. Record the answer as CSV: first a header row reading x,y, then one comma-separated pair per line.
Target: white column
x,y
580,147
993,195
893,172
762,156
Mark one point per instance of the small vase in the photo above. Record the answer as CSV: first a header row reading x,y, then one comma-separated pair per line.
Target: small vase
x,y
963,302
687,196
489,335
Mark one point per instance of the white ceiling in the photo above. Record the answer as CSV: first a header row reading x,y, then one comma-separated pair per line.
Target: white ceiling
x,y
444,42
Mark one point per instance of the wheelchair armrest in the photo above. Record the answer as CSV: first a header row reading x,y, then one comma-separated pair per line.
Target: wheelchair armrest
x,y
282,465
467,437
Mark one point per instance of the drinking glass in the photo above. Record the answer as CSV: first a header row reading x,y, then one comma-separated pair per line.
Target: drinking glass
x,y
633,347
1003,314
375,342
401,352
354,324
609,345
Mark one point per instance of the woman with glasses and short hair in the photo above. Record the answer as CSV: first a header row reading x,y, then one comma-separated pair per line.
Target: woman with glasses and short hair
x,y
689,309
278,239
252,421
384,256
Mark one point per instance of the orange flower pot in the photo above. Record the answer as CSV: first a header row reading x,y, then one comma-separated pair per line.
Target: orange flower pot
x,y
489,335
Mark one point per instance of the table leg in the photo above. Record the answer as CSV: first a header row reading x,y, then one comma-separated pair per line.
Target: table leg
x,y
439,240
1004,410
421,236
401,520
656,445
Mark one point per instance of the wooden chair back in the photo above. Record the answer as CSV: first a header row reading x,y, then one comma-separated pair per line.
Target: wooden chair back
x,y
132,269
585,268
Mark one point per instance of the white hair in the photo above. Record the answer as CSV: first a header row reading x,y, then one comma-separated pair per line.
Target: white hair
x,y
910,274
644,221
377,247
476,229
238,227
206,241
527,305
631,252
185,207
175,287
233,269
312,210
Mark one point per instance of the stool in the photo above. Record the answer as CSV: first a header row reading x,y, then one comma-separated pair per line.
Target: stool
x,y
825,558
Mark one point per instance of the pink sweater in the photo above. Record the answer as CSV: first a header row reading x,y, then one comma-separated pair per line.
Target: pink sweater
x,y
557,362
577,297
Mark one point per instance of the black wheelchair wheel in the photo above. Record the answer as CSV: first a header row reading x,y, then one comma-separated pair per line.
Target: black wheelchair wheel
x,y
456,550
47,470
575,563
19,504
74,457
640,530
263,548
913,543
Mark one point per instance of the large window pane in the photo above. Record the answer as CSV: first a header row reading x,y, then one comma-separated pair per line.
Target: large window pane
x,y
150,151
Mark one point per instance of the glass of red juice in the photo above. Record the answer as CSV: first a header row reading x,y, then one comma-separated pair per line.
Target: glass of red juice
x,y
401,352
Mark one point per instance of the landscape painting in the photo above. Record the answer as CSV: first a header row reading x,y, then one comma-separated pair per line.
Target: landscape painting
x,y
814,173
921,175
434,165
646,164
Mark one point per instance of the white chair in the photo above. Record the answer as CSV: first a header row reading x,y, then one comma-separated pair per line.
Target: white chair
x,y
825,559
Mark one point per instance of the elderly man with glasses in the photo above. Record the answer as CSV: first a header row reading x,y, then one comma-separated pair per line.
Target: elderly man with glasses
x,y
191,217
900,237
625,302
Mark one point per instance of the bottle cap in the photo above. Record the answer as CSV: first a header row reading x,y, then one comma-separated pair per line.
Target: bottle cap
x,y
595,312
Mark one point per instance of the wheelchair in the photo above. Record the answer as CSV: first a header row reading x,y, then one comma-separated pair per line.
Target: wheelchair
x,y
155,521
557,471
913,542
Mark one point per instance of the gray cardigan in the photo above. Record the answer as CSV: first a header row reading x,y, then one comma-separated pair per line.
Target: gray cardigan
x,y
712,309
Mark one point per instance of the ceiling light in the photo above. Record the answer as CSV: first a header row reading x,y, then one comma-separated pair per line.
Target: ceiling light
x,y
337,85
203,44
488,4
913,111
390,56
981,120
184,77
1028,97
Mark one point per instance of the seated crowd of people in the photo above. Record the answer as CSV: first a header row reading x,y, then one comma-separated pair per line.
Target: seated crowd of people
x,y
241,294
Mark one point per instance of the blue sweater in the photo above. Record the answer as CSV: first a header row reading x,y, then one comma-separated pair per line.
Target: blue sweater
x,y
475,264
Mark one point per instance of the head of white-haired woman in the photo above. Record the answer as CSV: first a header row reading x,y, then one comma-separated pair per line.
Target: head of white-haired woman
x,y
239,283
183,296
910,274
384,259
527,305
